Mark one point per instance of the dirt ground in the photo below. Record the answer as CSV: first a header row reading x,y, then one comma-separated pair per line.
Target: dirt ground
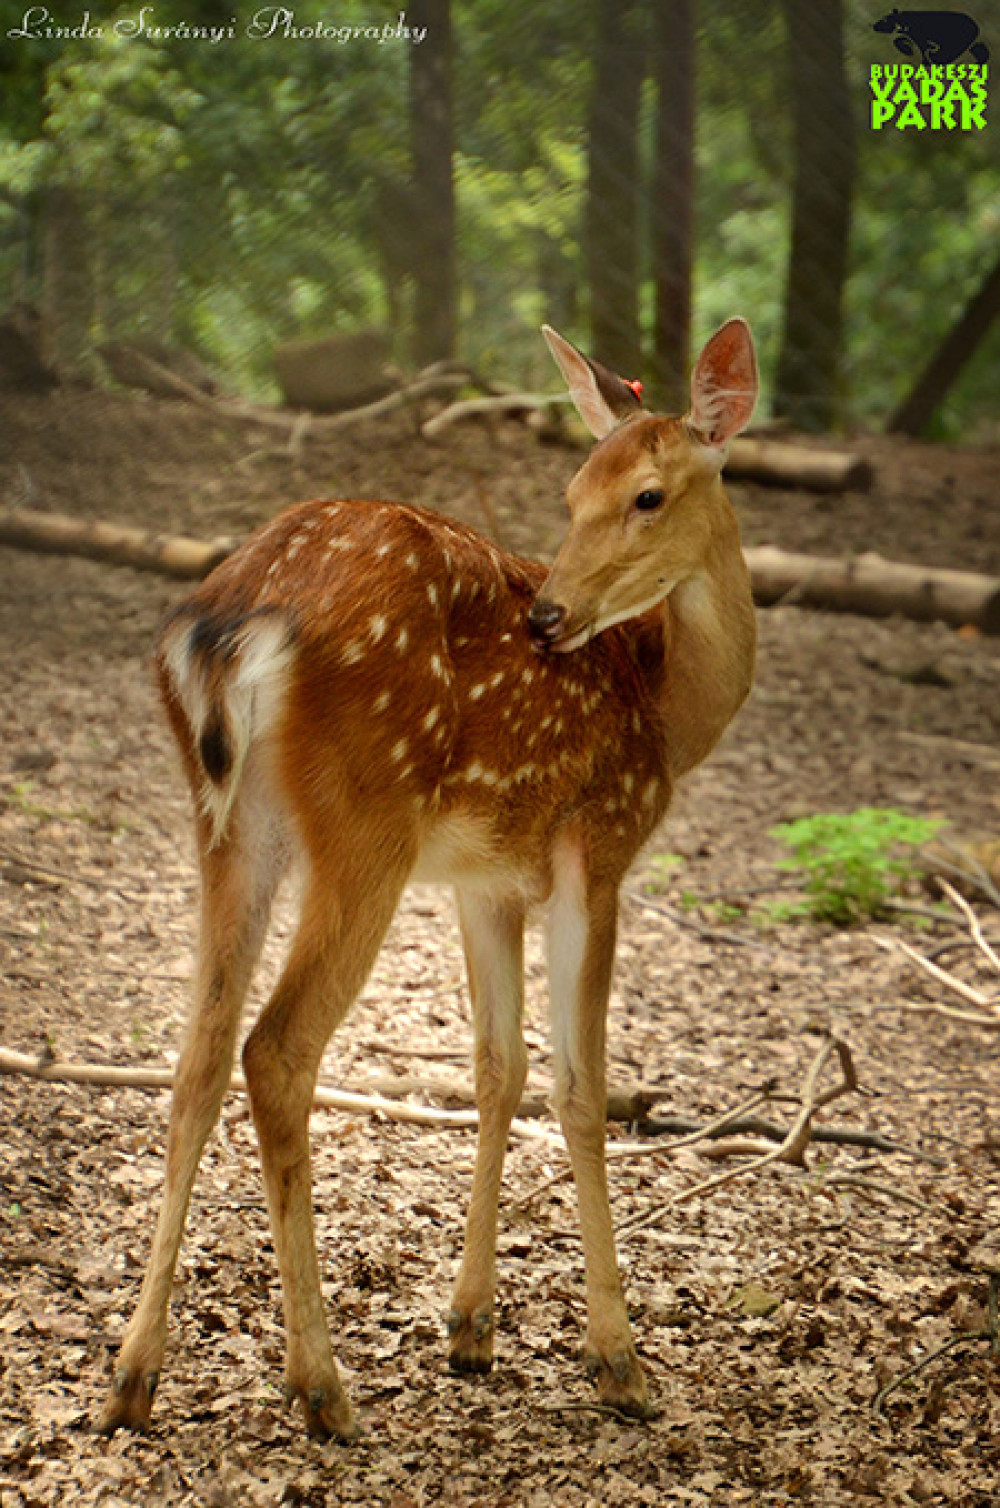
x,y
769,1313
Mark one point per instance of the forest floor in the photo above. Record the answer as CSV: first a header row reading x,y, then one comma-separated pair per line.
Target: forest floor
x,y
769,1314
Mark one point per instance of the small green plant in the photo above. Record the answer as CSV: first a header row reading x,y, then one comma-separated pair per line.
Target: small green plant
x,y
662,870
851,862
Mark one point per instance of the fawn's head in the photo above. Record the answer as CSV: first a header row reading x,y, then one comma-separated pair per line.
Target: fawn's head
x,y
644,506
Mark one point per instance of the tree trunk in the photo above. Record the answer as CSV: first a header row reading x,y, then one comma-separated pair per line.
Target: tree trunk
x,y
673,200
431,138
808,374
958,347
68,281
611,215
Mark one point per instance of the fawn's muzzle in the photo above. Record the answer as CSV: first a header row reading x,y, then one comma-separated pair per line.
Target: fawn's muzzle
x,y
545,621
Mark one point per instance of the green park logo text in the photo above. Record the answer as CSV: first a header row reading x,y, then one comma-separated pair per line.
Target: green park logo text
x,y
930,97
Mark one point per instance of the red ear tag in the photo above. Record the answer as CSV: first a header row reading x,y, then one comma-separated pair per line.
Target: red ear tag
x,y
636,387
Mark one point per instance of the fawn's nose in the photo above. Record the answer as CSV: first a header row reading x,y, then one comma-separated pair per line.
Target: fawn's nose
x,y
545,618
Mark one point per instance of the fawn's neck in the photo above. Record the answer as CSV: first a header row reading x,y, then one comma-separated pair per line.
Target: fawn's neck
x,y
709,642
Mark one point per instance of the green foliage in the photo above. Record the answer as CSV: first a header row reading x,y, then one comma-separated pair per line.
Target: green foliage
x,y
261,177
663,870
851,862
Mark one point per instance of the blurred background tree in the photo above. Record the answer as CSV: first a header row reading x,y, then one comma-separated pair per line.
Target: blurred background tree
x,y
632,172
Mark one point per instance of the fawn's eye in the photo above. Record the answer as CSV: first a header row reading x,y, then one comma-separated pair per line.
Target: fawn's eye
x,y
649,499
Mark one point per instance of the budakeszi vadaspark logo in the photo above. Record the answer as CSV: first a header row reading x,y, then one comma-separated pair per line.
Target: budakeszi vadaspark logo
x,y
944,86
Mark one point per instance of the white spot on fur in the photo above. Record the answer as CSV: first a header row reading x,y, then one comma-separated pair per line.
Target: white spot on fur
x,y
431,719
477,691
382,701
399,749
432,594
377,628
402,638
351,653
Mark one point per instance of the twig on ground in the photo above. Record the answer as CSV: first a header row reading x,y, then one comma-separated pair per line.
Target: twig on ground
x,y
950,1012
712,934
956,1340
872,1186
969,868
654,1411
844,1136
974,924
967,992
503,404
792,1149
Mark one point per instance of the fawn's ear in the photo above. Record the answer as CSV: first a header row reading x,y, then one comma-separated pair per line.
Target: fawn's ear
x,y
724,385
602,399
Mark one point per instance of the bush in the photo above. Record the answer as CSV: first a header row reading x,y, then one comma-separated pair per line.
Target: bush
x,y
851,863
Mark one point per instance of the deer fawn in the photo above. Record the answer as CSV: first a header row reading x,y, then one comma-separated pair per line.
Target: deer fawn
x,y
385,696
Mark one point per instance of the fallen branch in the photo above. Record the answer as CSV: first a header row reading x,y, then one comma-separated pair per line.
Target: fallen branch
x,y
113,544
793,1148
872,1186
691,923
839,1136
974,924
429,384
777,463
623,1104
507,404
967,992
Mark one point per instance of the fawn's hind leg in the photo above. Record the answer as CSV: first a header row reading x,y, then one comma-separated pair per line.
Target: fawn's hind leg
x,y
235,906
348,904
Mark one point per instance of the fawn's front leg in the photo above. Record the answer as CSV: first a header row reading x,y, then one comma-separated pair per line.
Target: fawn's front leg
x,y
582,924
493,937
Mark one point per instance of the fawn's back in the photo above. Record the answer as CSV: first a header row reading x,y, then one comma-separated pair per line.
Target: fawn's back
x,y
377,655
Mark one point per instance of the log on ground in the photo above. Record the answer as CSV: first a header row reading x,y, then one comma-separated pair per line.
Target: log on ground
x,y
113,544
875,588
863,584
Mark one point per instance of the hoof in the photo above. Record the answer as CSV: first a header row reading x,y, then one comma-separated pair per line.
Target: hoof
x,y
129,1402
326,1412
470,1341
620,1382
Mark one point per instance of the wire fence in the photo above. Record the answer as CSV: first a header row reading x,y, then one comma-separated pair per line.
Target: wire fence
x,y
225,198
